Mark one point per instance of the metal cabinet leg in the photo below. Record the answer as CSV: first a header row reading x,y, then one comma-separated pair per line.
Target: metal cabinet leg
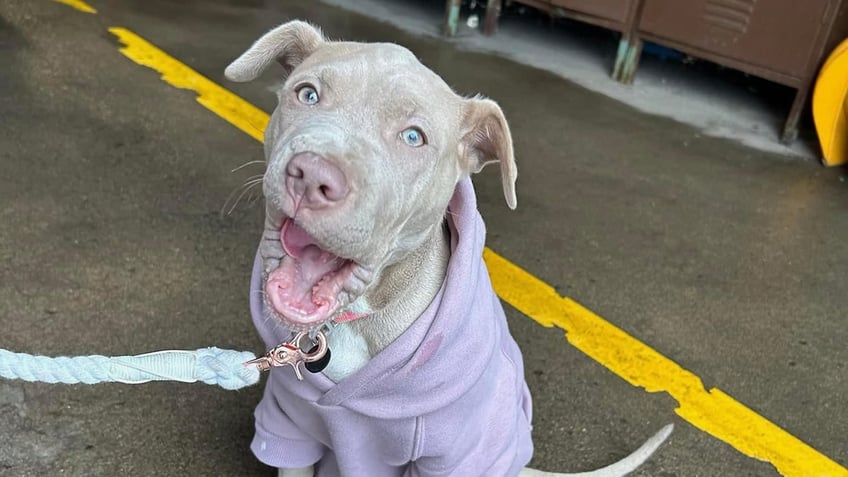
x,y
627,59
493,12
451,17
790,128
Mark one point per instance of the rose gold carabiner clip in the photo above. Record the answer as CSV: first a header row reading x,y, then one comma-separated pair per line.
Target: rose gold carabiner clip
x,y
290,354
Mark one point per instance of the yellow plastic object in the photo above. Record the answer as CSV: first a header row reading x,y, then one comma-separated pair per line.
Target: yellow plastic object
x,y
830,106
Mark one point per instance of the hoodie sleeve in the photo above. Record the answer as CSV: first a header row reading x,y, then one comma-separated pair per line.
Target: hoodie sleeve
x,y
278,442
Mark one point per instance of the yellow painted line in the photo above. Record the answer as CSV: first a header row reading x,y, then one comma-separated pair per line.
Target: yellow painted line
x,y
79,5
220,101
712,410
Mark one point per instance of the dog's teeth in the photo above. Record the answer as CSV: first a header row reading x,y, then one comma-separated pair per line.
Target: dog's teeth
x,y
273,234
325,279
271,265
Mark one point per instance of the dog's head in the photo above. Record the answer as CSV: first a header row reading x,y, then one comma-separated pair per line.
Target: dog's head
x,y
363,153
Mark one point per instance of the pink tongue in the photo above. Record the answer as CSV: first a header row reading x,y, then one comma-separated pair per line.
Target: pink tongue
x,y
293,288
294,239
313,262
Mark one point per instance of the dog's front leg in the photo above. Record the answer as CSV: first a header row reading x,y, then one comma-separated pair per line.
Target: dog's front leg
x,y
301,472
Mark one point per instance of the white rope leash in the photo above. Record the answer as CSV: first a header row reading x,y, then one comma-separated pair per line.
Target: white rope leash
x,y
221,367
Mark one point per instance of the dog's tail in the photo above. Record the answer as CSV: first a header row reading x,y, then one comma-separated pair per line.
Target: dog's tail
x,y
620,468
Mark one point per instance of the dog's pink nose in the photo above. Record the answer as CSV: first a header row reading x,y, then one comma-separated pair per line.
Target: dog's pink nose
x,y
317,182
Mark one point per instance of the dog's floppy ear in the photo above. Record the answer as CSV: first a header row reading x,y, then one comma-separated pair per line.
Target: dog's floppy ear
x,y
289,44
486,139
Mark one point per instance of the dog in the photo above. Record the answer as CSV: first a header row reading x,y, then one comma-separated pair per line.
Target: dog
x,y
372,233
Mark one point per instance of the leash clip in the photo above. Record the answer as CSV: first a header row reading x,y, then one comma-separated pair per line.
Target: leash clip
x,y
289,353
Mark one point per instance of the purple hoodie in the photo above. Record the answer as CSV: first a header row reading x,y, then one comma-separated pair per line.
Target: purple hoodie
x,y
447,398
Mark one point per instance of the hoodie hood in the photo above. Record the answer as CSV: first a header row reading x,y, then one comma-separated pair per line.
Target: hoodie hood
x,y
440,356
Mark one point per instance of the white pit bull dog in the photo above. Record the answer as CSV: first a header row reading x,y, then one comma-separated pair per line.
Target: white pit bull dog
x,y
371,223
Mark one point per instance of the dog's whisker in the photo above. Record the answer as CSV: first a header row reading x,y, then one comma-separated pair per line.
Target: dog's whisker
x,y
241,191
252,184
248,163
253,198
249,186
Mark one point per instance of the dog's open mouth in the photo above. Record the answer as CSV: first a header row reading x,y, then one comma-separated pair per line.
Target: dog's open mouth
x,y
304,290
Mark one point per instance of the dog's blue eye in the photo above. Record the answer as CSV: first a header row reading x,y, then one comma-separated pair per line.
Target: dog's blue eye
x,y
307,95
413,137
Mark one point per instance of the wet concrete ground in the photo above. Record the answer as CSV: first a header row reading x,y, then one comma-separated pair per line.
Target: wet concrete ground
x,y
729,261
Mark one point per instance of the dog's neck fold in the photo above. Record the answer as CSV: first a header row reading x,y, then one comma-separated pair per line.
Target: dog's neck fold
x,y
404,290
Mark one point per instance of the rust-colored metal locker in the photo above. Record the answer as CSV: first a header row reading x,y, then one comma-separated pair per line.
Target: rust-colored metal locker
x,y
780,40
614,12
615,15
777,36
783,41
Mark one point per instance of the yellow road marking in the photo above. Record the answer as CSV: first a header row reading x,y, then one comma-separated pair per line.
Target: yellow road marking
x,y
79,5
220,101
712,410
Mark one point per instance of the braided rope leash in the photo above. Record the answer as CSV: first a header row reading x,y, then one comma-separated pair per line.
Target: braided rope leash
x,y
221,367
